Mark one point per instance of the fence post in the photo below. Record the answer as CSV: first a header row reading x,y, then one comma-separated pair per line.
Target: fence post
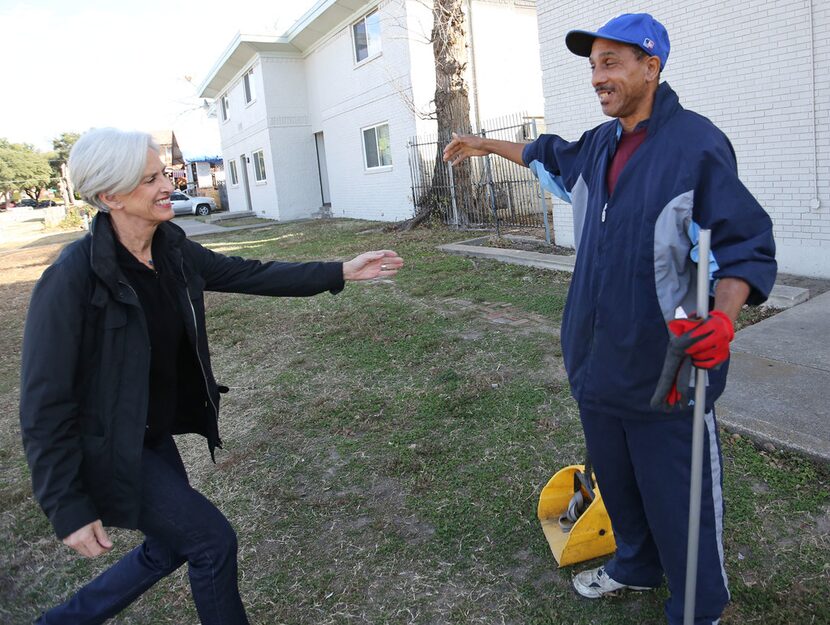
x,y
452,196
489,173
542,204
412,174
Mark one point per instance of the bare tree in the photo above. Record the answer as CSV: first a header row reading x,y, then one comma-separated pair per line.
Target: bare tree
x,y
449,46
452,103
62,145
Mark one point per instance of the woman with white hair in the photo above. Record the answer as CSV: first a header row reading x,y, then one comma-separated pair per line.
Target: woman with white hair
x,y
115,362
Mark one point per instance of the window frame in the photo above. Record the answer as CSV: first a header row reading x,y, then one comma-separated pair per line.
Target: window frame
x,y
225,106
234,173
379,167
259,166
248,90
369,55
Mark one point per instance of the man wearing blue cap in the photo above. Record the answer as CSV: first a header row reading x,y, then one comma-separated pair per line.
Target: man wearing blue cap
x,y
641,187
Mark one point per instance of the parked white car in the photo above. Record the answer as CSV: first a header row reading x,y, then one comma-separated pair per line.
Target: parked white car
x,y
183,204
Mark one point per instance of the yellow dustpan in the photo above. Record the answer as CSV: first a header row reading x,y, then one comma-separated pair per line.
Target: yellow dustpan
x,y
590,536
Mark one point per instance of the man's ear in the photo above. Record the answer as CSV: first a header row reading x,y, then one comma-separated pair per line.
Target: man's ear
x,y
111,201
652,68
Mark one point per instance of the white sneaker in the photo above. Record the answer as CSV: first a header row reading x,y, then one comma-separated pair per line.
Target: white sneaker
x,y
596,583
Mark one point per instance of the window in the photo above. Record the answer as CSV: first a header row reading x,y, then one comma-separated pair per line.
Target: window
x,y
177,196
226,108
248,82
367,37
234,174
376,146
259,165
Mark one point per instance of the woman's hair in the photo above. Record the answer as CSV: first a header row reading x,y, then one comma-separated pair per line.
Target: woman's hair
x,y
108,160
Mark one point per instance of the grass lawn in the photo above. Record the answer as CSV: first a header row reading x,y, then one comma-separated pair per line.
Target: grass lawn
x,y
384,452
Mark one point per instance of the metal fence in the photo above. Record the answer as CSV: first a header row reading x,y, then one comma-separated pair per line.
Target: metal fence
x,y
488,192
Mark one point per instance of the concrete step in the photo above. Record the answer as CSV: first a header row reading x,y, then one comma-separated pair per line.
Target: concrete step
x,y
786,296
232,215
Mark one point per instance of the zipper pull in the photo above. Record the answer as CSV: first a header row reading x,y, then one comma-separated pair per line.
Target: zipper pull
x,y
603,212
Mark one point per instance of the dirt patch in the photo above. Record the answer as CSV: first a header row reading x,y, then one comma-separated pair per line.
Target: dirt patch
x,y
503,314
528,244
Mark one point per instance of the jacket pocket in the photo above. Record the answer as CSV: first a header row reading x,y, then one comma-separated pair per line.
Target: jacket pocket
x,y
113,334
115,317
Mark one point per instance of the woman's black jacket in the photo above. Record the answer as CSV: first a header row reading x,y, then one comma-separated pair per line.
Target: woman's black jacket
x,y
86,359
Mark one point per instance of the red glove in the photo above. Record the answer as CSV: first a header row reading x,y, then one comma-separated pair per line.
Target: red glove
x,y
698,342
672,390
710,338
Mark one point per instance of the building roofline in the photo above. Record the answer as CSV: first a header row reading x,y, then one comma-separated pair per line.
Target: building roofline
x,y
314,25
237,55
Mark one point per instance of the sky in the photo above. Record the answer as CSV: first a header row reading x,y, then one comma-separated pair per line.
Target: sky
x,y
68,66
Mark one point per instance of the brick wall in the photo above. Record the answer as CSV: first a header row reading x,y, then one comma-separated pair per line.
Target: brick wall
x,y
748,66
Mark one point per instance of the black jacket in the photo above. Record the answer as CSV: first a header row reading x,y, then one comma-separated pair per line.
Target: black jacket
x,y
86,359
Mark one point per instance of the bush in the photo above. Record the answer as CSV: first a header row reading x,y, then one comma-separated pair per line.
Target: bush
x,y
74,217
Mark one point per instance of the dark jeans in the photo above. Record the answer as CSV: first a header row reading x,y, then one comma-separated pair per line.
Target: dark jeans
x,y
179,525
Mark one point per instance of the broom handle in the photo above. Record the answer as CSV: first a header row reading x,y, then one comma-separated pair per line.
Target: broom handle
x,y
704,243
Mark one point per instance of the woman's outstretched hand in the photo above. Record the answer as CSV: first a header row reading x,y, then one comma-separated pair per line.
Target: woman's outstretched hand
x,y
378,264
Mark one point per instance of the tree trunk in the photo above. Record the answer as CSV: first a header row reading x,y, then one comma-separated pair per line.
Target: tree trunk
x,y
66,186
452,107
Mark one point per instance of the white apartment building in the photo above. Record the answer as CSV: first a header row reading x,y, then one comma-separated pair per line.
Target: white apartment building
x,y
757,68
321,116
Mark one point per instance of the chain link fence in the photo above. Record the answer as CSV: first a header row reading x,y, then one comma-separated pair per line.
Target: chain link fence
x,y
483,193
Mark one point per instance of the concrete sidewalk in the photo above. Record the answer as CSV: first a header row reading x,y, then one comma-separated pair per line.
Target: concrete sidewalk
x,y
194,227
779,380
24,228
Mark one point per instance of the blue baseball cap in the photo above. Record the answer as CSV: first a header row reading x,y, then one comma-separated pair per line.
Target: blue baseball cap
x,y
639,29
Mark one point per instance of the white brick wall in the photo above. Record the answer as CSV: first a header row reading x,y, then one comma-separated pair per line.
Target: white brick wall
x,y
748,66
508,71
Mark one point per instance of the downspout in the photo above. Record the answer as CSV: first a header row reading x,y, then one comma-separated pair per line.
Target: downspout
x,y
815,203
474,84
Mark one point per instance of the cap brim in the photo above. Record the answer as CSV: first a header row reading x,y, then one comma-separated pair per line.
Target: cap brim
x,y
580,42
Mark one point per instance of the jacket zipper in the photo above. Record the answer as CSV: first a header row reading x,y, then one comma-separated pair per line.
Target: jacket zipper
x,y
198,356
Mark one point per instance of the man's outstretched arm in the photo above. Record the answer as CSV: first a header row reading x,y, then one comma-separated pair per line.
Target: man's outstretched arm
x,y
464,146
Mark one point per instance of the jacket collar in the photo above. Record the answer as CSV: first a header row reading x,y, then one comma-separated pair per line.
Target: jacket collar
x,y
666,105
103,256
